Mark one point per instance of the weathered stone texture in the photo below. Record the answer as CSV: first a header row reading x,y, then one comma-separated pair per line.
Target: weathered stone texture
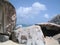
x,y
30,35
55,19
7,17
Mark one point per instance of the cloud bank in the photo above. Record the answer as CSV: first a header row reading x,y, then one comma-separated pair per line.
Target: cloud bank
x,y
29,13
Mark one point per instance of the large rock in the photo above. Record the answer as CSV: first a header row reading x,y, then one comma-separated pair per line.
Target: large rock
x,y
55,19
30,35
9,42
51,41
49,29
57,37
7,18
4,38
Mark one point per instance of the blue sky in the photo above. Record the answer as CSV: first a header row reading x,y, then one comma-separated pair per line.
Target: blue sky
x,y
35,11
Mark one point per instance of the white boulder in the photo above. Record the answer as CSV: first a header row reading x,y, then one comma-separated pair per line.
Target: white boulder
x,y
30,35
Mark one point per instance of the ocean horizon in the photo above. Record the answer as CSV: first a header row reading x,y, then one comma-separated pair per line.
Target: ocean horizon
x,y
23,25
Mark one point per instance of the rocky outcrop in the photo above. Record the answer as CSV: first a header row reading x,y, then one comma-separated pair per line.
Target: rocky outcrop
x,y
30,35
4,38
51,41
49,29
52,28
7,18
57,37
55,19
9,42
48,41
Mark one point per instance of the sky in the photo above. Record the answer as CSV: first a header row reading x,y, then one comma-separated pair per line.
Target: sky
x,y
35,11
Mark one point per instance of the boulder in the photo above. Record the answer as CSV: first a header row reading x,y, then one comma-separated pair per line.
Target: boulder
x,y
55,19
7,18
32,35
49,29
9,42
4,38
51,41
57,37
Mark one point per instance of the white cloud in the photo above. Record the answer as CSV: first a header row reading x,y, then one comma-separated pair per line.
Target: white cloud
x,y
46,16
39,6
30,14
35,9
